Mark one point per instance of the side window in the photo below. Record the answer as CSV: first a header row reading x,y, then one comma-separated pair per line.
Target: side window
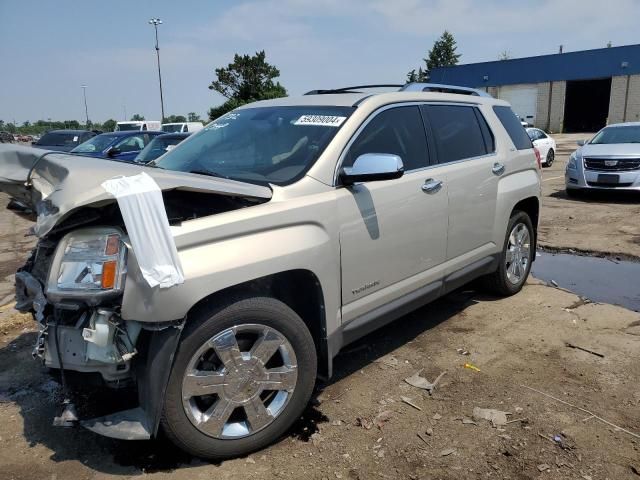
x,y
514,128
398,131
457,132
489,139
541,135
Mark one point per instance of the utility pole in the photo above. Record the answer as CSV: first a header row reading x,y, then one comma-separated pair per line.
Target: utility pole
x,y
155,22
86,110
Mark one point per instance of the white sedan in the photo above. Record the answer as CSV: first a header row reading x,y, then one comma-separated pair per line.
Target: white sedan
x,y
545,145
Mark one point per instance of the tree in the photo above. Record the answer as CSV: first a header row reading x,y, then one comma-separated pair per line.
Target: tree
x,y
504,55
443,54
414,76
246,79
193,117
174,119
137,118
109,125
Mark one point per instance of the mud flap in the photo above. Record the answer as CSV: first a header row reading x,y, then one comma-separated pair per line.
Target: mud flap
x,y
142,423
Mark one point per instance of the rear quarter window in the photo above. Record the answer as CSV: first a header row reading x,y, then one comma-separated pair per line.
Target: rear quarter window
x,y
514,128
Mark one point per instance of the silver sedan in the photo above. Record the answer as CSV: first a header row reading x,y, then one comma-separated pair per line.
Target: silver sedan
x,y
610,160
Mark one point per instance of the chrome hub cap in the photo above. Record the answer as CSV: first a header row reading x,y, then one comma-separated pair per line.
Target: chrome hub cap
x,y
518,253
239,381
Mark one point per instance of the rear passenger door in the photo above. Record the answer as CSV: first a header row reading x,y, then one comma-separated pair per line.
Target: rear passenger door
x,y
393,233
465,148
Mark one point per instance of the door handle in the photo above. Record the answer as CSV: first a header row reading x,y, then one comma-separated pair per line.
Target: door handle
x,y
498,169
431,185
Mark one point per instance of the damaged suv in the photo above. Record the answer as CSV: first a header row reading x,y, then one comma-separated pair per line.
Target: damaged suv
x,y
223,278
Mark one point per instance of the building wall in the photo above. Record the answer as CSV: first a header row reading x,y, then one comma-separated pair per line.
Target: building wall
x,y
553,122
619,97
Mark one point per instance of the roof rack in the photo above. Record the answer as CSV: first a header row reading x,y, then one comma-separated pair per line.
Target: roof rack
x,y
438,87
409,87
353,89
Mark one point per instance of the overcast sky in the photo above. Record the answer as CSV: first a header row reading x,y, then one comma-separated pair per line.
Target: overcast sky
x,y
48,49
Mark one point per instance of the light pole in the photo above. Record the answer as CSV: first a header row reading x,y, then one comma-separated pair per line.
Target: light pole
x,y
86,110
155,22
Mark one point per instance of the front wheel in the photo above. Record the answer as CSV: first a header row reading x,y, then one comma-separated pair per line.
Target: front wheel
x,y
514,262
243,374
551,156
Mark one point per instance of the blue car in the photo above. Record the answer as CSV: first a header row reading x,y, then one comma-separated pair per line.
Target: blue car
x,y
124,146
159,146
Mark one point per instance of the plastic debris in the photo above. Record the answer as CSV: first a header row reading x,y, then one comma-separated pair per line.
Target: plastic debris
x,y
471,366
496,417
417,381
382,418
462,351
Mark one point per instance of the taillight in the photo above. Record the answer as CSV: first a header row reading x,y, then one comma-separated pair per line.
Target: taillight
x,y
538,158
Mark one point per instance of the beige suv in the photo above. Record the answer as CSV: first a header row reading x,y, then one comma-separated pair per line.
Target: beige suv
x,y
298,225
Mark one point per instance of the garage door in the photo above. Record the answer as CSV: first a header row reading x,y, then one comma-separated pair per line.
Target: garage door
x,y
523,100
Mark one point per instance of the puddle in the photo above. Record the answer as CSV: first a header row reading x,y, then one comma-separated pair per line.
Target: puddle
x,y
598,279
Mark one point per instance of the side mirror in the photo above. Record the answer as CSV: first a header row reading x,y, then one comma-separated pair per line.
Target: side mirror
x,y
371,167
581,142
112,152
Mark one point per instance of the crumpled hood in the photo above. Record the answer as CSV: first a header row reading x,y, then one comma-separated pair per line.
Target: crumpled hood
x,y
610,150
61,183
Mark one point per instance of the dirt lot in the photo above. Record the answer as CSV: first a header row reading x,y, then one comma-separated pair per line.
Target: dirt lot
x,y
359,426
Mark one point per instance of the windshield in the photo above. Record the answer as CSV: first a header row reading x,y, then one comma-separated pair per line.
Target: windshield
x,y
95,144
259,145
158,146
59,139
124,127
628,134
172,128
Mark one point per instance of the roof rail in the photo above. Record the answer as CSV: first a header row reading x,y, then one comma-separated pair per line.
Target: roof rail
x,y
438,87
353,89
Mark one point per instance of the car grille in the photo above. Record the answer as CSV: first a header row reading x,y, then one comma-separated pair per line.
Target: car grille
x,y
622,165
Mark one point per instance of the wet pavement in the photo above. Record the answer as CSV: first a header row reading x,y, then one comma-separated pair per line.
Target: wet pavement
x,y
598,279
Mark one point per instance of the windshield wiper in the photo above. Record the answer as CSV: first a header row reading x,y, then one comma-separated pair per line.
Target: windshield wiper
x,y
208,173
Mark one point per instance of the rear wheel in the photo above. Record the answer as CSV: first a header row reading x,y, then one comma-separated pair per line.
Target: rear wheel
x,y
514,263
242,375
551,156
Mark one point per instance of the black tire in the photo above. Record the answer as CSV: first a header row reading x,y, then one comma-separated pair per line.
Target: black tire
x,y
573,192
497,282
551,156
206,324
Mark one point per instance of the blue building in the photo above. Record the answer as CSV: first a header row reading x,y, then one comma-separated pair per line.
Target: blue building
x,y
565,92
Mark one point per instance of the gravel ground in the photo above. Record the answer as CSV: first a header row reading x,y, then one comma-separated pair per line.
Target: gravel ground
x,y
359,426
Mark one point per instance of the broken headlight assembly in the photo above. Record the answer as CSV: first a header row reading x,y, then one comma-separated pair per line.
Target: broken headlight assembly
x,y
89,265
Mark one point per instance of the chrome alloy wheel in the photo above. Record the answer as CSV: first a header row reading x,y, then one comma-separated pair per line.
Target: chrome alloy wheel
x,y
239,381
518,253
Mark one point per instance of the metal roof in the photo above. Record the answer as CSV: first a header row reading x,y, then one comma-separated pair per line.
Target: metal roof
x,y
581,65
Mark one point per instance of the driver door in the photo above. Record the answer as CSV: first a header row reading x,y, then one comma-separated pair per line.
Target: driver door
x,y
393,233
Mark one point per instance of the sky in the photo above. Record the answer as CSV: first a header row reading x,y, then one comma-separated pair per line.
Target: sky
x,y
49,49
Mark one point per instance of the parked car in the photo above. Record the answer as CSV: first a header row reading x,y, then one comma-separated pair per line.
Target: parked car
x,y
610,160
182,127
6,137
545,145
159,146
141,126
117,145
298,225
63,140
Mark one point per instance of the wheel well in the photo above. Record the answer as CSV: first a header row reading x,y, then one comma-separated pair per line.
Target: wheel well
x,y
531,207
298,289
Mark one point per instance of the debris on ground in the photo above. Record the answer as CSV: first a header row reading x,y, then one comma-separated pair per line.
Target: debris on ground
x,y
408,401
570,345
554,283
364,422
388,360
446,452
429,431
382,418
423,439
437,416
543,467
462,351
471,366
468,421
417,381
635,469
497,418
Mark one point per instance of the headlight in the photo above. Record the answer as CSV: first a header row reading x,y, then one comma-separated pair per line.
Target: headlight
x,y
88,262
573,161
